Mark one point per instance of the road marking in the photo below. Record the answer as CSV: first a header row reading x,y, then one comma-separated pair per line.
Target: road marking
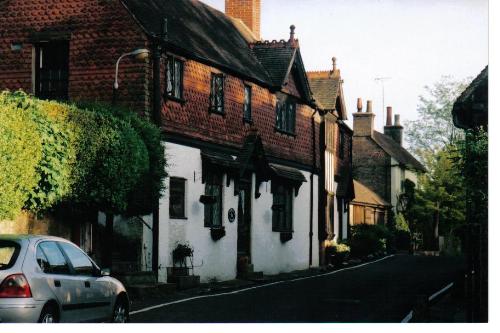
x,y
407,318
436,294
255,287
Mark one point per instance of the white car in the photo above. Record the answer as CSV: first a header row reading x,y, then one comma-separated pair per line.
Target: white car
x,y
49,279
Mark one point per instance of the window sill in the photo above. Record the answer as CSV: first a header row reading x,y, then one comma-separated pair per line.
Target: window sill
x,y
181,101
276,129
212,111
178,218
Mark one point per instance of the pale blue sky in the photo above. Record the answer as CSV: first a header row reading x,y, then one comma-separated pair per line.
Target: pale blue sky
x,y
414,42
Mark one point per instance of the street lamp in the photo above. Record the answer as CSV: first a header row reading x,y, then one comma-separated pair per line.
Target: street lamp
x,y
139,54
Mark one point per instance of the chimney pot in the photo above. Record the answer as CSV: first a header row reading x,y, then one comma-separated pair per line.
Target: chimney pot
x,y
334,62
360,104
396,120
389,116
369,106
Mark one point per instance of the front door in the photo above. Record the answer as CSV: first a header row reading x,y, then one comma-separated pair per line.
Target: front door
x,y
244,225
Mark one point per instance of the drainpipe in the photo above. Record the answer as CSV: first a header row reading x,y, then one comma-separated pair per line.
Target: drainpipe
x,y
311,197
157,50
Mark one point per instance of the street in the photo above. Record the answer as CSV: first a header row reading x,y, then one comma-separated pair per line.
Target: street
x,y
382,291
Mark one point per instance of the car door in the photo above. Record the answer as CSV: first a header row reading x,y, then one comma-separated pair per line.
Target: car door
x,y
94,300
56,274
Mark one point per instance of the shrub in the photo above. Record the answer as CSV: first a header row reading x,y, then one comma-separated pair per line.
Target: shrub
x,y
368,239
336,253
20,153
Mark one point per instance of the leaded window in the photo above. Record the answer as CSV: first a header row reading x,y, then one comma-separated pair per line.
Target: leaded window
x,y
217,93
282,208
174,78
285,115
177,200
247,104
213,206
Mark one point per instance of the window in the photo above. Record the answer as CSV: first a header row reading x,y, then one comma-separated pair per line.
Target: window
x,y
213,208
8,254
177,198
51,70
80,262
285,116
247,104
217,93
50,259
341,145
282,208
174,78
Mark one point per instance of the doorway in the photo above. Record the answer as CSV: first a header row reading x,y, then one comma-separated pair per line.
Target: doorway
x,y
244,226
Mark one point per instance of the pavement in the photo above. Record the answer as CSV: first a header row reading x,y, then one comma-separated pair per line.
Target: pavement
x,y
384,290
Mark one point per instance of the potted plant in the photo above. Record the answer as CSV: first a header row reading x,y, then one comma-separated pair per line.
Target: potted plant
x,y
180,253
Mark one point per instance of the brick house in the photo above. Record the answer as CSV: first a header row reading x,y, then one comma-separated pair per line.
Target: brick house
x,y
380,162
237,113
335,182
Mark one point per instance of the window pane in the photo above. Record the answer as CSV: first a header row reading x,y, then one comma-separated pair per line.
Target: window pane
x,y
177,197
81,263
52,70
169,76
177,79
57,262
247,105
42,261
213,211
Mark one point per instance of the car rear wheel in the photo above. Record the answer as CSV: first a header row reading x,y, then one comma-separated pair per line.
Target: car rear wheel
x,y
120,313
48,315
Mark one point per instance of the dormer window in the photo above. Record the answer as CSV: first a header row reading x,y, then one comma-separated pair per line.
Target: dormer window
x,y
285,115
174,78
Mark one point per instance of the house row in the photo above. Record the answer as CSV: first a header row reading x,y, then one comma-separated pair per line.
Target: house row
x,y
261,162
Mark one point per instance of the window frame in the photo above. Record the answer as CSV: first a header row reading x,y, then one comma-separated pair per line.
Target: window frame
x,y
183,216
61,46
171,81
247,103
214,107
286,115
282,208
214,181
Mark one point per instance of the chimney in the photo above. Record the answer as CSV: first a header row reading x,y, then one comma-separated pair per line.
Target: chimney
x,y
246,10
394,131
334,62
363,121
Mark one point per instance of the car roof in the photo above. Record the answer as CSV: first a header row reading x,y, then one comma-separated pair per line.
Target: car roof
x,y
25,237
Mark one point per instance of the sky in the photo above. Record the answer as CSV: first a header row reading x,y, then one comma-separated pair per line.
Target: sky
x,y
411,42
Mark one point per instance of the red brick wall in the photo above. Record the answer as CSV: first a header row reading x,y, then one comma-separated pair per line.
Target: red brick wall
x,y
100,31
194,119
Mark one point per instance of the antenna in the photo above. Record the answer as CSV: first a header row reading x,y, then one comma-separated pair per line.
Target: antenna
x,y
382,80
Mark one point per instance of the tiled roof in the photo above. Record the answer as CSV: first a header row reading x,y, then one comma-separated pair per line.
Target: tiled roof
x,y
364,195
400,154
199,31
471,107
276,58
325,88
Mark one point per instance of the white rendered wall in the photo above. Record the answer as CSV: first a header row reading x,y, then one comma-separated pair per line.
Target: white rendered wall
x,y
212,259
269,254
399,174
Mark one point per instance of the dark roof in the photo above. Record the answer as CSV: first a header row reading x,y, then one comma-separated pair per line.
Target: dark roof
x,y
201,32
276,58
392,148
471,107
287,172
279,58
364,195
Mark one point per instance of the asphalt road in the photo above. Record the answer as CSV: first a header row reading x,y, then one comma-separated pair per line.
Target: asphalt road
x,y
383,291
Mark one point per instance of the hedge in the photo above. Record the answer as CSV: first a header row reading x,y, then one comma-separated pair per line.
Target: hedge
x,y
87,156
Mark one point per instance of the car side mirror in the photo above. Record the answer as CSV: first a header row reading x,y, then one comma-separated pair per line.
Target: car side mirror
x,y
105,272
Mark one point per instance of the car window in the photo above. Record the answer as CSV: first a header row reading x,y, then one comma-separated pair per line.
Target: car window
x,y
54,258
42,261
8,254
80,262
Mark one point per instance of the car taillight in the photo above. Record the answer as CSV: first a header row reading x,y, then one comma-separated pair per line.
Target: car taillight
x,y
15,286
